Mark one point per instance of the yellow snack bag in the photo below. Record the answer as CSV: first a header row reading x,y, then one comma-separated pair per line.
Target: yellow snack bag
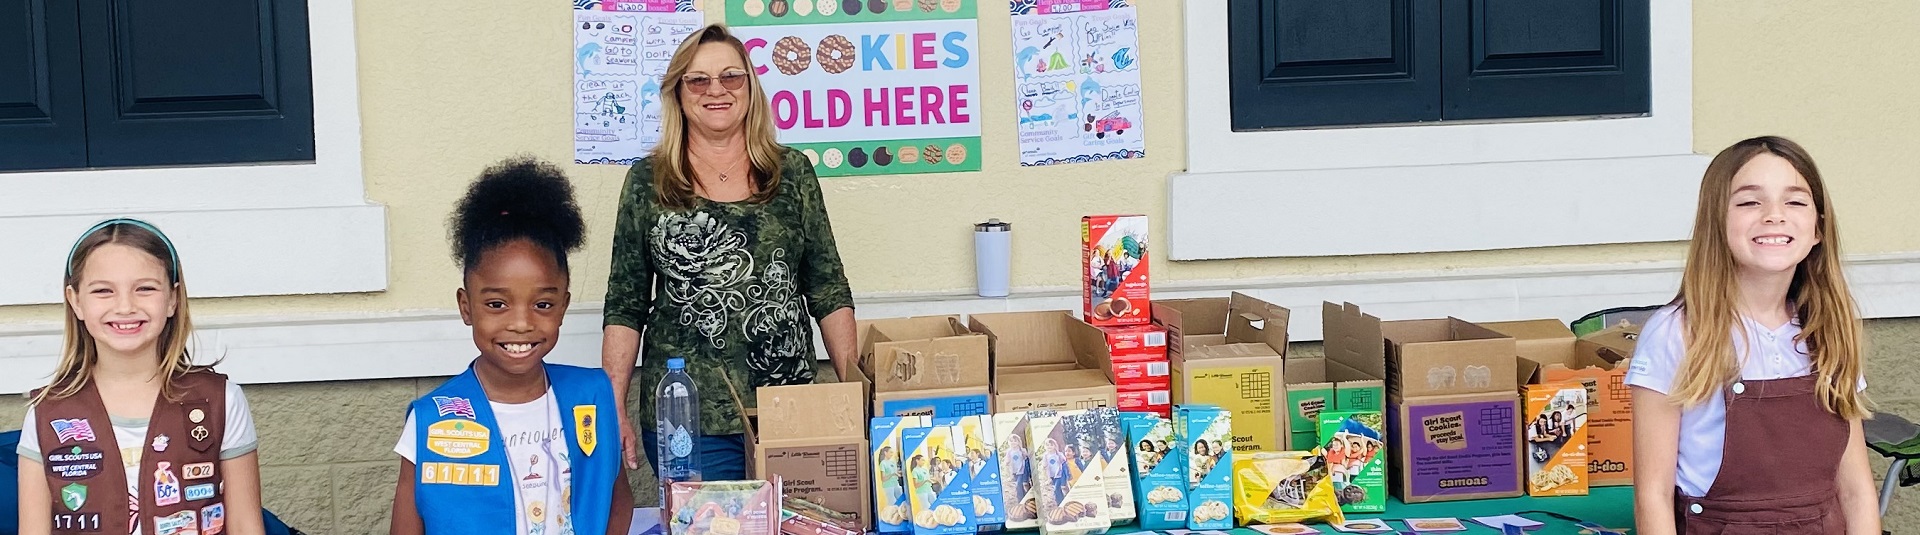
x,y
1285,486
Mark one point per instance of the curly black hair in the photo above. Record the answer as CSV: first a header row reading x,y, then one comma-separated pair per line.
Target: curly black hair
x,y
518,198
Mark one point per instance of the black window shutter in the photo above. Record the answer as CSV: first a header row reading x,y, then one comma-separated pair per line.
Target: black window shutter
x,y
1545,58
1318,62
42,115
184,82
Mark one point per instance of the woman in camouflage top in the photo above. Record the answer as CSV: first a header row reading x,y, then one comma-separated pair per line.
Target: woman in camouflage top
x,y
722,254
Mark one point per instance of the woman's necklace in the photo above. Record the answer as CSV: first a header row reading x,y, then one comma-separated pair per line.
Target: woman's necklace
x,y
724,175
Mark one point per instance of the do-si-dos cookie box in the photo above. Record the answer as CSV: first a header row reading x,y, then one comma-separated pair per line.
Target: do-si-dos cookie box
x,y
1114,269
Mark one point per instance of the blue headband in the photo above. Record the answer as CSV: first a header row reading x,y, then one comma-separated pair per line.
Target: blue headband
x,y
173,265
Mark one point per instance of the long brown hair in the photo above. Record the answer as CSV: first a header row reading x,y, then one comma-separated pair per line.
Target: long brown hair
x,y
1830,323
672,170
80,352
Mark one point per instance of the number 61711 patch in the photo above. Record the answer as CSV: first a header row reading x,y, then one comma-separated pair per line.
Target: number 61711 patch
x,y
77,521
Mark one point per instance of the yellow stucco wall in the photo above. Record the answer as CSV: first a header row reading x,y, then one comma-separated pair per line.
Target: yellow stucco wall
x,y
446,93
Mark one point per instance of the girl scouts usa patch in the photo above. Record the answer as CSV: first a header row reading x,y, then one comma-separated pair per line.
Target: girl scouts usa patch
x,y
458,439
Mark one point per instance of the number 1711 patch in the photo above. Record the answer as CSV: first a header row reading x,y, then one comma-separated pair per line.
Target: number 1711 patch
x,y
77,522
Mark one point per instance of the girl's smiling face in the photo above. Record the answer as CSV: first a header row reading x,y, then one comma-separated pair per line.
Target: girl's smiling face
x,y
515,298
1772,223
124,299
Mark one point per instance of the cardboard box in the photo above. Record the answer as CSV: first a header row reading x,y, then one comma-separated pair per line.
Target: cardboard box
x,y
814,437
1113,453
1113,262
1154,401
1209,466
1068,475
942,403
892,513
1022,506
1442,357
1355,447
1161,467
922,353
1193,323
979,469
1244,373
1461,447
1068,390
1047,360
1599,360
1556,438
1310,390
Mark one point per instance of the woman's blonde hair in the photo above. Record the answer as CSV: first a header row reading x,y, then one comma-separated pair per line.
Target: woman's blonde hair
x,y
80,352
1709,292
672,169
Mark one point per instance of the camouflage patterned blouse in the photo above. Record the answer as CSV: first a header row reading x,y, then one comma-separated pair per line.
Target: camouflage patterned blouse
x,y
732,287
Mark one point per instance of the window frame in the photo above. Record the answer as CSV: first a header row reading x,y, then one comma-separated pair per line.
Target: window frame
x,y
231,222
1272,172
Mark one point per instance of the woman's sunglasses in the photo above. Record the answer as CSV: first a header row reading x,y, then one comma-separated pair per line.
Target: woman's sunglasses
x,y
699,83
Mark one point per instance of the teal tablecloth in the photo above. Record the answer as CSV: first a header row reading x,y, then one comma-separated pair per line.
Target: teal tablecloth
x,y
1608,506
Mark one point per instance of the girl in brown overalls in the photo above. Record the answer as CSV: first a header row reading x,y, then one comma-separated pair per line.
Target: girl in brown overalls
x,y
1748,388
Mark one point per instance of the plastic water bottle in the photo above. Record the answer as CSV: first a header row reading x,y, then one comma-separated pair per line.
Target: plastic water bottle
x,y
677,409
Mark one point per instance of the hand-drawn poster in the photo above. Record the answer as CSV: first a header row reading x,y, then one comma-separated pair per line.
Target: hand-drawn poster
x,y
1077,81
869,87
620,50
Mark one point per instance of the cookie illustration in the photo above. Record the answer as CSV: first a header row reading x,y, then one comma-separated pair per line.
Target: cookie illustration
x,y
791,55
881,157
753,8
909,154
931,154
835,53
877,6
903,5
857,157
778,8
950,6
814,159
827,7
832,158
852,7
929,5
802,8
956,154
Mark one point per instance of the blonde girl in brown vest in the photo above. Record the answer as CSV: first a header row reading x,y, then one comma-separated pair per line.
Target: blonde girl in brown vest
x,y
131,436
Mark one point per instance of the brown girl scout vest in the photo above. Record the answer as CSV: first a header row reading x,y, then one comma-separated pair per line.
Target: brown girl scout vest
x,y
180,481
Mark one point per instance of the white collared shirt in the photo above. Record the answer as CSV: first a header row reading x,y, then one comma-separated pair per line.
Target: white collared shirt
x,y
1657,357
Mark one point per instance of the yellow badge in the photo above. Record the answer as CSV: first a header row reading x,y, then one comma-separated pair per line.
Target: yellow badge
x,y
458,438
583,432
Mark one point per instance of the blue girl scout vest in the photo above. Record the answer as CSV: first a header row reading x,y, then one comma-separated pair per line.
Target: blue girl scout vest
x,y
462,482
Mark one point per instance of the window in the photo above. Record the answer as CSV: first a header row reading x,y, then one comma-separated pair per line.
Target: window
x,y
131,83
1308,63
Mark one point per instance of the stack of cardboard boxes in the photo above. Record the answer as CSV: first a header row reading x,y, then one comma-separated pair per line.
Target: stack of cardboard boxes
x,y
814,438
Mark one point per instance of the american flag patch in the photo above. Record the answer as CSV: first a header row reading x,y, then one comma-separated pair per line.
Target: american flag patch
x,y
455,406
73,430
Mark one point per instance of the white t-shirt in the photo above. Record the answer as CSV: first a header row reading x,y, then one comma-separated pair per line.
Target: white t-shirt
x,y
537,453
131,435
1657,357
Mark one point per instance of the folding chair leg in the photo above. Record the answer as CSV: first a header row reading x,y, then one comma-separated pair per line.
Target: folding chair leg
x,y
1891,482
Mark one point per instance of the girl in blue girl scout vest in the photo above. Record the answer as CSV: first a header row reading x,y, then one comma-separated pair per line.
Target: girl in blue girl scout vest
x,y
514,445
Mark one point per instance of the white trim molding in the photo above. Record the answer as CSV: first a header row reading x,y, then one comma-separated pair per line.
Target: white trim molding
x,y
277,220
1292,172
337,347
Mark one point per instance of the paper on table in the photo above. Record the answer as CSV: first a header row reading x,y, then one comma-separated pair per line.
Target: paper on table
x,y
1285,529
1501,521
1435,524
1371,525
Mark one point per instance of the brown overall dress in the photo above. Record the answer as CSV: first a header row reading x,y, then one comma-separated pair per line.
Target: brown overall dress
x,y
1778,467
